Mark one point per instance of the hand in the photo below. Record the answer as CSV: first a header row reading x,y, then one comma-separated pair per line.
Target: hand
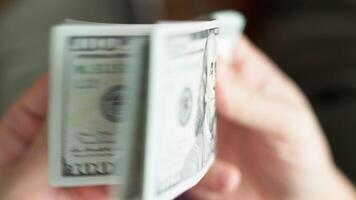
x,y
23,153
270,145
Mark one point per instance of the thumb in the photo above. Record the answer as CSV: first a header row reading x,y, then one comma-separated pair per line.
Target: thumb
x,y
242,103
19,127
30,174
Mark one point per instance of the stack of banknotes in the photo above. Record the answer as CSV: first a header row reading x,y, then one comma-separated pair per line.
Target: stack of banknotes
x,y
134,105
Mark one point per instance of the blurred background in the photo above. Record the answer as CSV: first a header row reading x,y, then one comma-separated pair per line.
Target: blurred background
x,y
313,41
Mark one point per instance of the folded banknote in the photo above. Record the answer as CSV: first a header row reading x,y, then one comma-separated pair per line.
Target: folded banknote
x,y
133,105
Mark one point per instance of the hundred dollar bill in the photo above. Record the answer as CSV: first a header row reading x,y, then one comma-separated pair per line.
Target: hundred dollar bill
x,y
182,110
90,65
133,105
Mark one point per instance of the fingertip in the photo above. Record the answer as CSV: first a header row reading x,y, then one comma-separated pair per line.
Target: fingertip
x,y
223,177
93,192
36,98
228,179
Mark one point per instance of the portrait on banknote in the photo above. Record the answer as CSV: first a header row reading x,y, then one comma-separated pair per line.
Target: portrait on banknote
x,y
205,124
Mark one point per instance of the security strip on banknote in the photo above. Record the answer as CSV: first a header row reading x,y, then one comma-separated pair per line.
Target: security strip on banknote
x,y
133,105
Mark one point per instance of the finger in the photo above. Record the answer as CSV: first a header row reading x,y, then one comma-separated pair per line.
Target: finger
x,y
90,193
251,62
262,74
23,121
222,177
241,103
30,176
204,194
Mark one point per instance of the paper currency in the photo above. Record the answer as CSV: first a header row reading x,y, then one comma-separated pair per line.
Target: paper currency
x,y
133,105
181,114
88,90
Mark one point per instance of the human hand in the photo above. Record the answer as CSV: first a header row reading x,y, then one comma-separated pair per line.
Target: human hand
x,y
270,144
23,153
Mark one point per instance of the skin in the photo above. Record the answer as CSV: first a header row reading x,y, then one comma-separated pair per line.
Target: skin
x,y
23,153
270,144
